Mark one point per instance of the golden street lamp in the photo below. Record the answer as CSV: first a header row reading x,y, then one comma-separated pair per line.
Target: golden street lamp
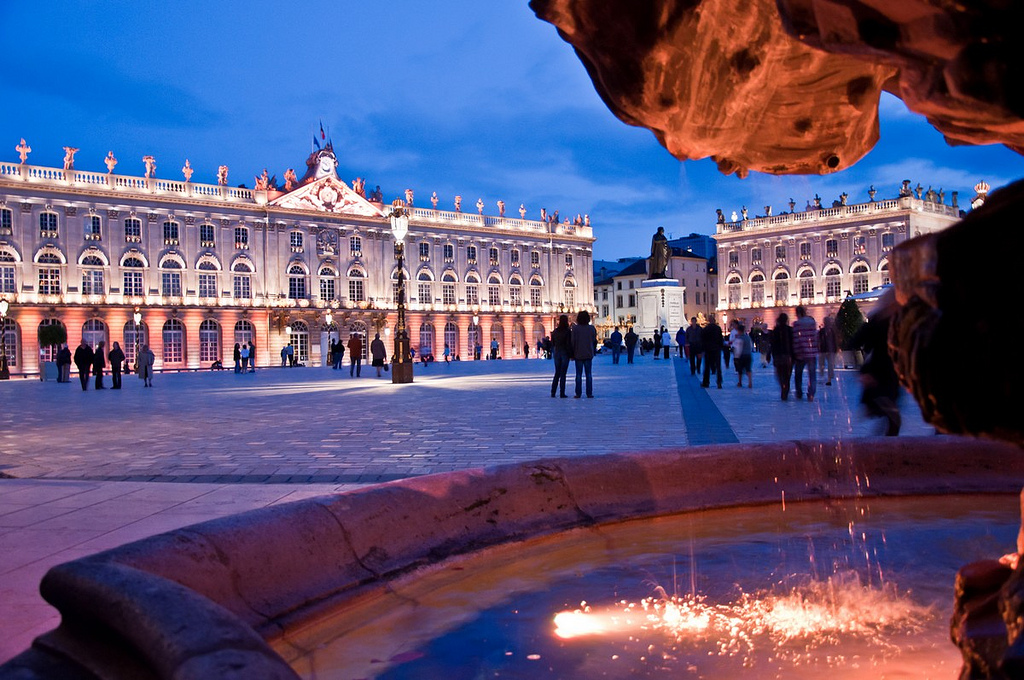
x,y
137,318
476,336
401,358
5,370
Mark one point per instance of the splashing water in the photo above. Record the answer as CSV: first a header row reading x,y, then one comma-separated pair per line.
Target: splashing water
x,y
791,626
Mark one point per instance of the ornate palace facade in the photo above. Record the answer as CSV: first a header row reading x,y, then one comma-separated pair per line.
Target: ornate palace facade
x,y
768,265
207,266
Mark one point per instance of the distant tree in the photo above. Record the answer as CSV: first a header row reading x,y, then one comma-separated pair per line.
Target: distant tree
x,y
52,335
848,321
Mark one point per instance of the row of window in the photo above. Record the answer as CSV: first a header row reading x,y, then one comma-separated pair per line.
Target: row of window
x,y
806,283
207,237
858,247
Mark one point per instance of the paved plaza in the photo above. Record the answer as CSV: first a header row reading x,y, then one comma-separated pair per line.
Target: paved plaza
x,y
86,471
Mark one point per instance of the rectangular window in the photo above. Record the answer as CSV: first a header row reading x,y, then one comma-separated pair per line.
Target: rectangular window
x,y
6,221
515,295
207,285
448,293
355,246
807,289
424,293
494,295
535,296
514,256
781,291
618,285
92,282
241,238
888,241
355,290
632,300
424,251
832,248
734,293
48,225
327,289
133,284
170,233
206,233
295,240
860,245
170,284
49,281
472,294
832,286
780,253
805,251
471,254
242,287
534,259
297,287
449,252
632,286
860,283
756,293
618,300
7,279
493,256
92,228
568,260
174,343
133,230
734,259
570,297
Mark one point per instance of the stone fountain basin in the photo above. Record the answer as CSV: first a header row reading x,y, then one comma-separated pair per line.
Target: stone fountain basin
x,y
215,599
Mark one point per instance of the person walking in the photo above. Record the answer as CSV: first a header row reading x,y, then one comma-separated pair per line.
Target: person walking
x,y
146,361
743,354
448,352
712,340
879,381
355,355
681,342
236,354
338,353
631,340
805,353
561,353
116,357
615,339
829,347
83,361
782,353
584,342
695,343
657,343
378,354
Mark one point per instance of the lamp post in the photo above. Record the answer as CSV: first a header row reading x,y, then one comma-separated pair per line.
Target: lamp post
x,y
476,335
137,318
328,318
5,371
401,358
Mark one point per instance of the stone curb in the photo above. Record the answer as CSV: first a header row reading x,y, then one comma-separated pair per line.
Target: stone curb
x,y
171,603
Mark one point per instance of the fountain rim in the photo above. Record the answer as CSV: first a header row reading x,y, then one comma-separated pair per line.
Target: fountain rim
x,y
243,582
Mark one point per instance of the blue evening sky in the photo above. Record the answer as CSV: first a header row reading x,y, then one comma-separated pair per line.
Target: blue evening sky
x,y
471,97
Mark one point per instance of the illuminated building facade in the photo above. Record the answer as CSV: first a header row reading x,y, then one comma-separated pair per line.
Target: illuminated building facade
x,y
208,266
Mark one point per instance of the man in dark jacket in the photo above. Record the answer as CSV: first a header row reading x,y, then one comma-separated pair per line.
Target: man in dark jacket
x,y
83,360
615,340
711,340
695,343
116,357
584,341
631,340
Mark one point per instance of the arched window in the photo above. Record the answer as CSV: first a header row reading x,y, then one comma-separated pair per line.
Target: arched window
x,y
49,273
174,343
209,341
497,333
757,289
493,289
299,337
241,280
356,285
327,283
806,278
92,275
884,268
244,332
569,294
48,353
518,338
860,277
424,287
535,290
133,339
426,339
448,280
515,291
451,337
208,278
170,277
538,335
296,282
92,261
733,285
9,330
94,332
472,289
474,339
833,283
8,282
781,288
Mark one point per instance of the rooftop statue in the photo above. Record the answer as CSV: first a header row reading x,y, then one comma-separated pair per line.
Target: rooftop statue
x,y
408,197
359,186
262,181
522,211
501,208
658,261
187,171
434,199
290,180
23,150
222,175
480,205
69,157
110,161
150,166
458,204
720,218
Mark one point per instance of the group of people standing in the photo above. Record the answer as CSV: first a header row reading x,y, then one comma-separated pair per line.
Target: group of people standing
x,y
93,362
574,343
244,355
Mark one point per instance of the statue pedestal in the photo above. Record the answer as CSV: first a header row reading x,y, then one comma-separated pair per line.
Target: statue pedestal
x,y
661,304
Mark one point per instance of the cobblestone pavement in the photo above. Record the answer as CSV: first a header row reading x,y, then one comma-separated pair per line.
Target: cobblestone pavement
x,y
86,466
